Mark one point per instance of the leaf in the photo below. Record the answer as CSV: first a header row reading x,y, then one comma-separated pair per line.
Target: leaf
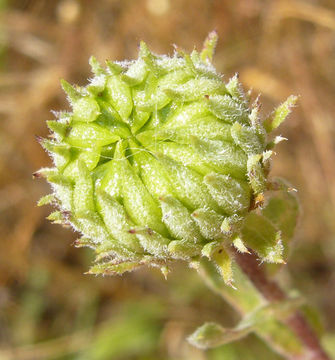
x,y
231,224
159,98
58,128
280,114
150,59
240,246
223,264
221,259
262,236
206,127
96,67
236,91
280,310
209,47
46,200
114,268
71,92
113,67
56,217
282,209
211,335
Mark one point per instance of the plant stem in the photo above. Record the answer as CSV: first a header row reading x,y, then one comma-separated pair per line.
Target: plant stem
x,y
272,292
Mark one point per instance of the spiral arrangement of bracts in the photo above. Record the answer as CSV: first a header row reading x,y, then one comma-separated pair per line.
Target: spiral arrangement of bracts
x,y
161,160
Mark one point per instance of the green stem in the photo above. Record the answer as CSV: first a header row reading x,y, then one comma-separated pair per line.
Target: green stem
x,y
292,338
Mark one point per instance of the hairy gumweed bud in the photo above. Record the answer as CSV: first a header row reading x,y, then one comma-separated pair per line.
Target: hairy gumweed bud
x,y
160,160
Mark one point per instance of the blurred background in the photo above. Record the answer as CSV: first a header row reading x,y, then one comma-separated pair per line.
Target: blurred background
x,y
48,308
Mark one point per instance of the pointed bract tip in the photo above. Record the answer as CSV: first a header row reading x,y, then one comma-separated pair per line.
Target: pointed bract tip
x,y
37,175
66,214
39,139
209,46
165,271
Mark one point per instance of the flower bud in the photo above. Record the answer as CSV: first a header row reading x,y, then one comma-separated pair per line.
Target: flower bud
x,y
162,160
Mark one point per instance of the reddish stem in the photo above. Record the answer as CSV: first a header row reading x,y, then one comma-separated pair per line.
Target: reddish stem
x,y
272,292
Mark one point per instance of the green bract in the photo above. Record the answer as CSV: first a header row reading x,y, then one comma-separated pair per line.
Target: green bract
x,y
161,160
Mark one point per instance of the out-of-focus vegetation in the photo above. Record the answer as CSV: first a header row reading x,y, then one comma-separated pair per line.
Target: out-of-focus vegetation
x,y
48,308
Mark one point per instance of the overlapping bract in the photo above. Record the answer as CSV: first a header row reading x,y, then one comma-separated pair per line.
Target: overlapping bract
x,y
161,160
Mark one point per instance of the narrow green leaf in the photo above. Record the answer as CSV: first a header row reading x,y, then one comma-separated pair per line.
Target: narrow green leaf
x,y
114,268
212,335
71,92
209,47
236,91
58,128
56,217
239,245
280,114
46,200
282,209
96,67
261,235
223,264
150,59
114,68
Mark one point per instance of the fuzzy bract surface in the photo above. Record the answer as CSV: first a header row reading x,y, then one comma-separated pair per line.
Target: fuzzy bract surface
x,y
160,159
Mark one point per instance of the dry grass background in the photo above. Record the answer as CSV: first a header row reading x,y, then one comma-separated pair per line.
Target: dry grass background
x,y
48,308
